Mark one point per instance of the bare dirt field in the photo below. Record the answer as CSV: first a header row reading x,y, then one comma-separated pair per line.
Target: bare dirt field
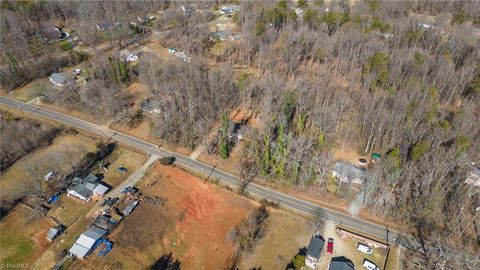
x,y
350,155
15,179
287,233
22,237
193,224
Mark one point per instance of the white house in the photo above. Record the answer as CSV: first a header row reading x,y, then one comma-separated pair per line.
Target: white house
x,y
85,189
299,12
225,10
127,56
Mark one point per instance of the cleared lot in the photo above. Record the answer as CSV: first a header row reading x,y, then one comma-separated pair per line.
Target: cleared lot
x,y
287,233
193,224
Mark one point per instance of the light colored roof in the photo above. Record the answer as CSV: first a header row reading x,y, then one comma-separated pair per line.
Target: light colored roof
x,y
52,233
58,77
86,241
129,208
100,189
79,250
90,186
348,170
89,237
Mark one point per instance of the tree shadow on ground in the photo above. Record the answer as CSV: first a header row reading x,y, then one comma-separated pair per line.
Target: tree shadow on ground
x,y
302,251
166,262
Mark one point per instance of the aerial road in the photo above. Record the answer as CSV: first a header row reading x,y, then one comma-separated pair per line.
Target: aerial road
x,y
253,189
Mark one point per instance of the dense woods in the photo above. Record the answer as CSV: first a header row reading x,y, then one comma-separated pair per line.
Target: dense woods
x,y
369,76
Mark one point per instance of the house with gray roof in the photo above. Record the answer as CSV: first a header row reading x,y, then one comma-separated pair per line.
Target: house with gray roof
x,y
314,250
341,263
347,172
58,79
87,187
104,222
129,208
87,242
104,26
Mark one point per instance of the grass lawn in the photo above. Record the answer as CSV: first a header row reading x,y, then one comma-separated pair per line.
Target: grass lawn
x,y
69,209
122,157
394,259
32,90
22,240
331,184
286,234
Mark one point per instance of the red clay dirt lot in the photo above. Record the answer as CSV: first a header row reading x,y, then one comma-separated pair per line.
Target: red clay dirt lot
x,y
193,224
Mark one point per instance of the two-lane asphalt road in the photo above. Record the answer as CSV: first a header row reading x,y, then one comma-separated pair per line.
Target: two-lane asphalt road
x,y
253,189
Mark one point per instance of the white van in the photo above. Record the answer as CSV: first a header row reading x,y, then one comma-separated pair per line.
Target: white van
x,y
364,248
370,265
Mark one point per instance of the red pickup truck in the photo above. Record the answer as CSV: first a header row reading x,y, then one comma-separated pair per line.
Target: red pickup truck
x,y
330,245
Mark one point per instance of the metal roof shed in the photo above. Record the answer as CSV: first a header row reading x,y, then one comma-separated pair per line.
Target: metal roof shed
x,y
52,233
129,208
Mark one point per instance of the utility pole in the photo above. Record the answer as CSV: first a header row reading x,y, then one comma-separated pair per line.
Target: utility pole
x,y
387,235
388,252
20,107
206,179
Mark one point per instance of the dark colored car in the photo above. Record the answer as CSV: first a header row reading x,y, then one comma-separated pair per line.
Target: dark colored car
x,y
129,190
113,201
330,245
104,201
122,170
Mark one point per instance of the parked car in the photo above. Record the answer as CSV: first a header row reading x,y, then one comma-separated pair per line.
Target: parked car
x,y
113,201
122,170
104,201
330,245
364,248
129,190
370,265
